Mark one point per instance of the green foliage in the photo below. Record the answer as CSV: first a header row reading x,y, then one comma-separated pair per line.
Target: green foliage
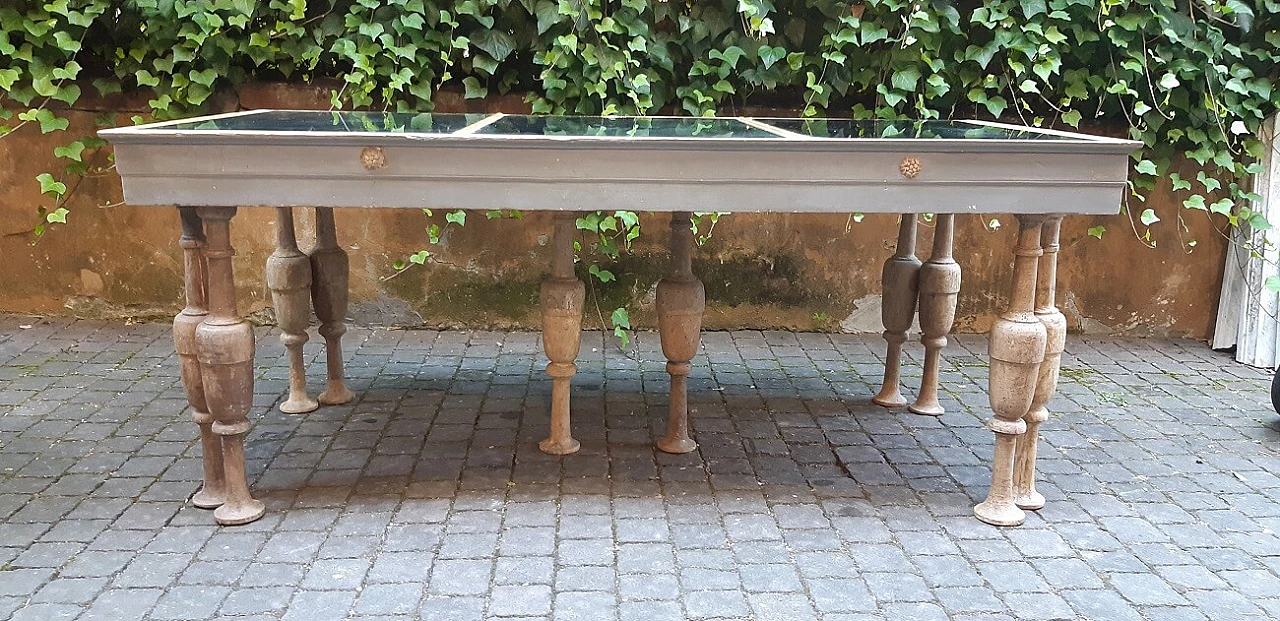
x,y
1191,78
1186,78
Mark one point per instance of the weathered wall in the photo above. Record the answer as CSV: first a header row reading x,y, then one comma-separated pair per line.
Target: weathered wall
x,y
795,271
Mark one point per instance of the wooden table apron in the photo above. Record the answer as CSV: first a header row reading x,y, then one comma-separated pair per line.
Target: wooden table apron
x,y
1039,182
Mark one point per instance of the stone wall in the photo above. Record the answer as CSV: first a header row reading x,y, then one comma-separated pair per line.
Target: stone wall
x,y
761,271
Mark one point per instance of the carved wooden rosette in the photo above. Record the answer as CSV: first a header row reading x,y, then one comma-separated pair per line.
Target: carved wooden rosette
x,y
562,299
213,492
224,343
681,301
1017,347
898,282
939,292
1055,324
329,278
289,279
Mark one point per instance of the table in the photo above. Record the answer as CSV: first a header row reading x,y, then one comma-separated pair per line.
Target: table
x,y
286,159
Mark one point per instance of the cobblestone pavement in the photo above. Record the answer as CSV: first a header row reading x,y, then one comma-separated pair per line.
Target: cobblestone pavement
x,y
427,497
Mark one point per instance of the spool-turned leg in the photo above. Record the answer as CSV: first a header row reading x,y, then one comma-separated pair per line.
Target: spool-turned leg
x,y
289,278
939,292
1016,349
562,301
681,301
213,492
898,282
1055,324
225,345
329,279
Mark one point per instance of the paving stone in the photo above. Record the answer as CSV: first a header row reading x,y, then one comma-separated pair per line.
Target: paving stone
x,y
710,604
319,605
446,608
460,577
260,600
511,601
336,574
580,606
122,604
409,502
190,602
1099,604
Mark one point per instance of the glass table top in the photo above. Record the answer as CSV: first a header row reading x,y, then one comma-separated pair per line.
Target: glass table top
x,y
624,126
319,121
954,130
505,126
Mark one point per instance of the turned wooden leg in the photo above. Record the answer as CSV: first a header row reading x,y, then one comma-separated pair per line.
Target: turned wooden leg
x,y
330,276
214,490
1016,349
898,282
289,278
225,346
1055,324
681,301
939,292
562,301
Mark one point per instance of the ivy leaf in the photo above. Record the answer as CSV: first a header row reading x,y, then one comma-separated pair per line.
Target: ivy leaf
x,y
7,78
205,77
1032,8
1146,167
770,55
145,78
906,79
729,55
58,215
49,122
1273,284
51,186
548,14
1210,184
496,43
1169,81
996,105
872,33
71,151
473,88
419,257
1222,206
602,274
1148,217
1097,231
1259,222
621,318
458,217
1072,118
